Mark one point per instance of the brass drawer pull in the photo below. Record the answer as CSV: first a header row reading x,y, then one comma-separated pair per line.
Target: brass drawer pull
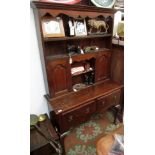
x,y
103,102
70,118
115,97
87,110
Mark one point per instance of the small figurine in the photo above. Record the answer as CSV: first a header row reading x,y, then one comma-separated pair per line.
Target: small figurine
x,y
97,24
90,49
71,26
79,50
70,59
86,79
91,78
87,66
72,49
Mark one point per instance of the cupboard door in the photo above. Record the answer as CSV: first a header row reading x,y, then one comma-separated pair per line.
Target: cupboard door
x,y
59,76
102,66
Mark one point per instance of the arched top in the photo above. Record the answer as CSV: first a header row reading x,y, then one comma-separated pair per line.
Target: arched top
x,y
73,14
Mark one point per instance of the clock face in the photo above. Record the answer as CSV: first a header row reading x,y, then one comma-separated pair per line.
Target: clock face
x,y
103,3
63,1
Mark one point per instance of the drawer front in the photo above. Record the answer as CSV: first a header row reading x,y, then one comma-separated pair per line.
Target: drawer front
x,y
103,103
77,115
114,98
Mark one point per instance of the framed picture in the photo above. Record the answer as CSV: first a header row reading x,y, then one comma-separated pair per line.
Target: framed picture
x,y
52,27
80,27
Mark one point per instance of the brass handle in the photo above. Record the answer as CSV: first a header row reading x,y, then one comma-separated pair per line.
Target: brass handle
x,y
70,118
115,97
103,102
87,110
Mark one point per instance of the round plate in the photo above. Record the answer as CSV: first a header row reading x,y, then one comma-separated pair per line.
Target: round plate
x,y
62,1
103,3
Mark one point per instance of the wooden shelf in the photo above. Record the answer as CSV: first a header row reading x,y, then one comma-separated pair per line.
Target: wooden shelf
x,y
77,37
74,56
59,56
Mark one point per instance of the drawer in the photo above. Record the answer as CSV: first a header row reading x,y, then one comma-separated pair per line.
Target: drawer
x,y
77,115
103,103
114,98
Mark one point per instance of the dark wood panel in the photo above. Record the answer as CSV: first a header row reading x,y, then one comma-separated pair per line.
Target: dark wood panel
x,y
59,76
117,69
83,57
102,66
117,64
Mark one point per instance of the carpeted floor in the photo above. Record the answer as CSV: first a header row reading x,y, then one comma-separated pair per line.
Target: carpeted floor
x,y
82,139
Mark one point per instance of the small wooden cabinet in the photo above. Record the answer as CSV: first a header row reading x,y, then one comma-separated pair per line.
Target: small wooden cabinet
x,y
69,106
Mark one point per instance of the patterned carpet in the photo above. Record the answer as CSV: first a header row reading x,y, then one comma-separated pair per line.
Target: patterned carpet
x,y
82,139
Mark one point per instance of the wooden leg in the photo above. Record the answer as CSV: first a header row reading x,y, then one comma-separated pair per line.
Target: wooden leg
x,y
116,114
116,110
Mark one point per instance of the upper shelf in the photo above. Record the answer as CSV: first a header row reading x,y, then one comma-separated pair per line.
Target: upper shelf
x,y
76,37
49,5
78,57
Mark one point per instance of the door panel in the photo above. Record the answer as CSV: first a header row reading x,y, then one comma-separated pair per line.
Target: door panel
x,y
102,66
59,76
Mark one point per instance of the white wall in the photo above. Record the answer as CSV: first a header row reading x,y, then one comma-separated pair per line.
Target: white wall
x,y
38,102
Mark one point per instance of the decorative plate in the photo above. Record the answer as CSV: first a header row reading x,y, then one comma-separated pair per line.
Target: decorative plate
x,y
62,1
103,3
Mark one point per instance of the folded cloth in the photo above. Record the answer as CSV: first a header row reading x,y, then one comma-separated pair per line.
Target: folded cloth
x,y
77,69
